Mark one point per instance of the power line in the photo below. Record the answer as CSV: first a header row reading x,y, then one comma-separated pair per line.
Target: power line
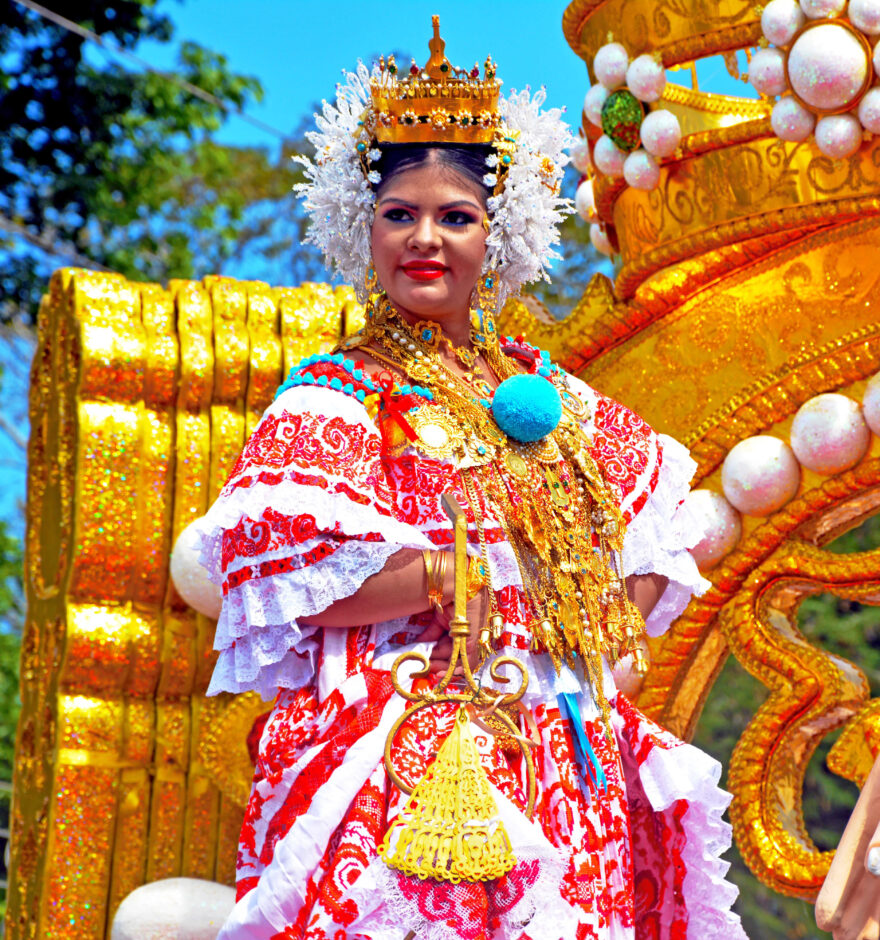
x,y
72,27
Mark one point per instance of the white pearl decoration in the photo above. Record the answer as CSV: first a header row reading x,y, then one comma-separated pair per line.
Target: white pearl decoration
x,y
580,157
609,160
760,475
646,78
189,577
820,9
871,404
660,133
593,101
791,121
722,527
610,65
829,434
865,15
827,66
780,20
640,170
600,240
585,201
869,110
767,71
838,135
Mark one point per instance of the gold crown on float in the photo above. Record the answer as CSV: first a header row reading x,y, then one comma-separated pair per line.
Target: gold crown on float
x,y
436,103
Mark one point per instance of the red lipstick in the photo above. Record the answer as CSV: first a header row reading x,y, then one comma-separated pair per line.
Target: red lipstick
x,y
424,270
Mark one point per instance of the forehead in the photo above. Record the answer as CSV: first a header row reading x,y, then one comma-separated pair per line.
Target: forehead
x,y
432,182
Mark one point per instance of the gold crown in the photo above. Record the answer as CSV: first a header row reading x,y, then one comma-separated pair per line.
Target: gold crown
x,y
436,103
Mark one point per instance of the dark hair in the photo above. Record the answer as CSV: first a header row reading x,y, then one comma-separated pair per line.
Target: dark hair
x,y
467,160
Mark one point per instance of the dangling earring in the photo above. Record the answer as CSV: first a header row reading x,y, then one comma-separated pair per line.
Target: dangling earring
x,y
483,309
371,279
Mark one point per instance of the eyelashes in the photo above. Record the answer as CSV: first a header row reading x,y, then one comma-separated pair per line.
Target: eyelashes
x,y
455,217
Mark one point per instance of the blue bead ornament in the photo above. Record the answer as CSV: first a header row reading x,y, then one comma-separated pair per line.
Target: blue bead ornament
x,y
526,407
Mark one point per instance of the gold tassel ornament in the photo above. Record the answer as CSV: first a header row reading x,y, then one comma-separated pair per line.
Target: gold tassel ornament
x,y
450,828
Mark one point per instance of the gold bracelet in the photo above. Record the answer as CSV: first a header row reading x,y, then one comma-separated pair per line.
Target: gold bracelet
x,y
436,576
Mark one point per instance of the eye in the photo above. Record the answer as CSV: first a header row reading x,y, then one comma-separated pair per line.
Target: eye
x,y
397,214
457,217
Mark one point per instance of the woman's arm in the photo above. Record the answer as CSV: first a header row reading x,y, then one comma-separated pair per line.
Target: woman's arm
x,y
644,590
400,589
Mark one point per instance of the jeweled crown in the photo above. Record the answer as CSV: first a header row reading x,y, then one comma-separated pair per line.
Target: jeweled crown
x,y
435,103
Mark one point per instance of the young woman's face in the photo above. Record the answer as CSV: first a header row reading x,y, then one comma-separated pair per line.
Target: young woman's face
x,y
429,242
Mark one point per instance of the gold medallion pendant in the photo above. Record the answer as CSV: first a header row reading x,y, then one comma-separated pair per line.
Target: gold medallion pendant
x,y
438,435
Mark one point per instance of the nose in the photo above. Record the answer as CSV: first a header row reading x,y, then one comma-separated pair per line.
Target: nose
x,y
425,234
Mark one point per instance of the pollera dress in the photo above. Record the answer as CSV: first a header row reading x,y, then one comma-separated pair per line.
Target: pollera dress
x,y
318,502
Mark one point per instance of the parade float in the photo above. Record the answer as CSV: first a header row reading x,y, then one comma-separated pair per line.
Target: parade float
x,y
743,319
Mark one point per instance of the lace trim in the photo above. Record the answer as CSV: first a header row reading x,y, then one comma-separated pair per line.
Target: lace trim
x,y
658,539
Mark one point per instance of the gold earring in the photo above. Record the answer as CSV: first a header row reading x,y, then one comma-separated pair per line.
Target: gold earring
x,y
483,333
371,279
486,224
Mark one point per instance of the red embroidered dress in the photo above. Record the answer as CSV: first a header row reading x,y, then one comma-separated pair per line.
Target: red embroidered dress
x,y
315,505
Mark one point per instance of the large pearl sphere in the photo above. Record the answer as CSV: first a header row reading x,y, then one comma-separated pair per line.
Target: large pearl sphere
x,y
869,110
819,9
829,434
838,135
827,66
646,78
600,240
585,202
722,527
640,170
759,475
767,71
791,120
780,20
660,133
580,157
608,158
865,15
610,65
190,578
593,102
871,404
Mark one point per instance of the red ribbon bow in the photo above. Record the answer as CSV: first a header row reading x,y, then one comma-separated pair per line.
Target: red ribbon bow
x,y
395,405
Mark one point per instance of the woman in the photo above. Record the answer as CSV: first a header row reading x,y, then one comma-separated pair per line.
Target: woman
x,y
437,199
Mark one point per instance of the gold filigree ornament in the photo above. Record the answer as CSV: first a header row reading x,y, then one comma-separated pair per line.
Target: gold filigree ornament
x,y
450,828
438,435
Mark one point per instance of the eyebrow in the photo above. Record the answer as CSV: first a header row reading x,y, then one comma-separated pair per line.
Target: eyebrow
x,y
443,208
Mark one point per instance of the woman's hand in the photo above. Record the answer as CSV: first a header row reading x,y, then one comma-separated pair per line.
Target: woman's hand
x,y
477,614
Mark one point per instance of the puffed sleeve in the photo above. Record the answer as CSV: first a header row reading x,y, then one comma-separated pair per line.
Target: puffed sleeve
x,y
306,516
652,474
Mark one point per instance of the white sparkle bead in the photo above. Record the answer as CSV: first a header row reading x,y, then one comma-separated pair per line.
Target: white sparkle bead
x,y
780,20
722,527
829,434
640,170
838,135
189,577
600,240
585,202
865,15
593,101
767,71
760,475
580,157
660,133
610,65
869,110
871,404
646,78
827,66
791,120
819,9
395,336
609,160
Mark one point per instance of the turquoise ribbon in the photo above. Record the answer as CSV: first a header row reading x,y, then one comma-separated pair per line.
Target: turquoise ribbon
x,y
589,764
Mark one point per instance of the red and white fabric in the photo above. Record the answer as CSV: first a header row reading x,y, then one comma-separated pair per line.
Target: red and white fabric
x,y
315,506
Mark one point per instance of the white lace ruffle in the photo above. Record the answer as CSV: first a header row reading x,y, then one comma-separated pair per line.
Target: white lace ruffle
x,y
262,647
658,538
685,772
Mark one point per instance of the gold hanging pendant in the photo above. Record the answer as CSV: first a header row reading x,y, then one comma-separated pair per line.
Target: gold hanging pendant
x,y
450,828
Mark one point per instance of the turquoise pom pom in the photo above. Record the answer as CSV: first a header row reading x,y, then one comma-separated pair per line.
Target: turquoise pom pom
x,y
526,407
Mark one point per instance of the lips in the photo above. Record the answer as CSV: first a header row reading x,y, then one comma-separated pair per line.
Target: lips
x,y
424,270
